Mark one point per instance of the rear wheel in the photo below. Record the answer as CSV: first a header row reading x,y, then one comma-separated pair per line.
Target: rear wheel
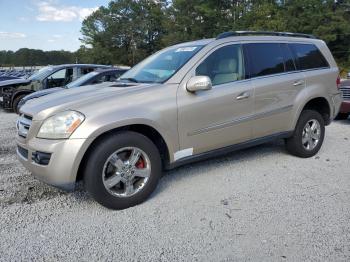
x,y
308,135
123,170
342,116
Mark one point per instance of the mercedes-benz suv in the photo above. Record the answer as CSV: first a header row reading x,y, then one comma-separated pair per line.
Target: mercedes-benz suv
x,y
185,103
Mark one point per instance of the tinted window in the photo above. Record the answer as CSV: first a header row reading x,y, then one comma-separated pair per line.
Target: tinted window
x,y
223,65
288,58
86,70
308,56
265,59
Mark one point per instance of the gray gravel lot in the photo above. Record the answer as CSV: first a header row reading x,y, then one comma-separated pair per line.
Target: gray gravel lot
x,y
259,204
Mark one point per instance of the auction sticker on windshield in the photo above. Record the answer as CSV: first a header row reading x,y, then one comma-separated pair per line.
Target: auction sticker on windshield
x,y
186,49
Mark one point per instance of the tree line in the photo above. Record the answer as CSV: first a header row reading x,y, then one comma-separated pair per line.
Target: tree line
x,y
34,57
126,31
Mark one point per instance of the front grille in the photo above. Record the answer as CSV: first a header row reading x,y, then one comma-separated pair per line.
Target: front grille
x,y
23,152
346,92
23,124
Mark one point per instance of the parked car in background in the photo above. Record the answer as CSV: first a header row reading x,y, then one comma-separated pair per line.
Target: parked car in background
x,y
185,103
4,78
92,78
344,111
12,91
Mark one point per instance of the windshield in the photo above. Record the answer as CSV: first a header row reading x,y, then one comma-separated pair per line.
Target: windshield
x,y
161,66
80,81
42,73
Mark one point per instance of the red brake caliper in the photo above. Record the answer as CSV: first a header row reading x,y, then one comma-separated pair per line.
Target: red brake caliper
x,y
141,163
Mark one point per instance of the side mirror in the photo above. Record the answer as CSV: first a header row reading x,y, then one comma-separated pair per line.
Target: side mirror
x,y
198,83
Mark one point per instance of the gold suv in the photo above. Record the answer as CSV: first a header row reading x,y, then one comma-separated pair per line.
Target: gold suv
x,y
185,103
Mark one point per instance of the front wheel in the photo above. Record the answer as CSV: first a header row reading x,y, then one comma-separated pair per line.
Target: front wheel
x,y
122,170
308,135
15,103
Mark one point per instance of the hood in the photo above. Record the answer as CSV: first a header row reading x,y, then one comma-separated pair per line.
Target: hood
x,y
81,98
14,82
42,93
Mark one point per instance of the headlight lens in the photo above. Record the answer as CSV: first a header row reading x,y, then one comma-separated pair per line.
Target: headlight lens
x,y
61,126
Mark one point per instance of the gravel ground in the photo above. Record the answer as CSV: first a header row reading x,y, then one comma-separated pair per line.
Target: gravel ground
x,y
259,204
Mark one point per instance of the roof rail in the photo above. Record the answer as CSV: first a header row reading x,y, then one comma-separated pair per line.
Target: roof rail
x,y
267,33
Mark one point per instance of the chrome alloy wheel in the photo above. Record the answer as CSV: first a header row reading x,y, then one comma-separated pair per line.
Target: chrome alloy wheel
x,y
311,134
126,172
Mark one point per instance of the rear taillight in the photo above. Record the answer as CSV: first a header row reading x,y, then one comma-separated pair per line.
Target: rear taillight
x,y
338,81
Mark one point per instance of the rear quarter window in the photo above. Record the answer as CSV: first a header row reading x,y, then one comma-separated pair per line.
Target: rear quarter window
x,y
265,59
308,56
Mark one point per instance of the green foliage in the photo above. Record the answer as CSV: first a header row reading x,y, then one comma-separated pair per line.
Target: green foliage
x,y
32,57
126,31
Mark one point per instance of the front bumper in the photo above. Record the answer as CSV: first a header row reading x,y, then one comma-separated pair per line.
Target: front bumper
x,y
6,100
62,167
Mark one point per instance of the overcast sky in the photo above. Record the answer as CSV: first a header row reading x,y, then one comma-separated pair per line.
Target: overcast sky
x,y
46,25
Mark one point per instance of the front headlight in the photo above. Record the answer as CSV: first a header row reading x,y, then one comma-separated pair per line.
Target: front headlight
x,y
61,126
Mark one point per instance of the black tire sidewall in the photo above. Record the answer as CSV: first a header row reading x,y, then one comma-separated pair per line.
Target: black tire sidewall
x,y
295,143
16,102
105,148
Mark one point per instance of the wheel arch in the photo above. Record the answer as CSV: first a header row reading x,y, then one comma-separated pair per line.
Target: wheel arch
x,y
319,104
19,93
322,106
146,130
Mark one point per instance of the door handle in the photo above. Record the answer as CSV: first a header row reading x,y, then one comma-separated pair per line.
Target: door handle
x,y
298,83
243,95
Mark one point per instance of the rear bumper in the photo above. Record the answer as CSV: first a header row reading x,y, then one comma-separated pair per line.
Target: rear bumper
x,y
345,107
337,100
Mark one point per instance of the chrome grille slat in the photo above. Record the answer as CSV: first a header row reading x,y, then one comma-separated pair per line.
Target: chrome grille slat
x,y
23,125
346,92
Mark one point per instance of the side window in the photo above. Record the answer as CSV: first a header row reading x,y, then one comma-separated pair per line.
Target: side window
x,y
57,79
223,65
85,70
265,59
308,56
98,79
60,74
288,58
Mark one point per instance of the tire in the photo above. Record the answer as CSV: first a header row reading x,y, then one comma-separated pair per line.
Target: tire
x,y
99,164
342,116
16,102
295,144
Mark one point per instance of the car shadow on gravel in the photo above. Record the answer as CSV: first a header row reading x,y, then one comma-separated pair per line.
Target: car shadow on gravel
x,y
344,122
197,168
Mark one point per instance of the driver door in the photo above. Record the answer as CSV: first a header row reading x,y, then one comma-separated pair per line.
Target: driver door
x,y
212,119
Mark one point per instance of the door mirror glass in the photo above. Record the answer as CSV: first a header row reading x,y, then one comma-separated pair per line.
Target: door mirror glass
x,y
198,83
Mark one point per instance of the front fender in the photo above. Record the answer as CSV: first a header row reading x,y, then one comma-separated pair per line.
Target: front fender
x,y
92,128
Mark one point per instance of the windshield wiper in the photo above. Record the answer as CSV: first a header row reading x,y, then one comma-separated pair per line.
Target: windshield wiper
x,y
130,79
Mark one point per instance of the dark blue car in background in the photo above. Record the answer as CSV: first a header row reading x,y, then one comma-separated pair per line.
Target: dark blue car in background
x,y
95,77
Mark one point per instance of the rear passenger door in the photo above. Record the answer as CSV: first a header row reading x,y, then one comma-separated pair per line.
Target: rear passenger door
x,y
276,82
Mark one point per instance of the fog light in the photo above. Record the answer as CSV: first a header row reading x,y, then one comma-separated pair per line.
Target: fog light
x,y
41,158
